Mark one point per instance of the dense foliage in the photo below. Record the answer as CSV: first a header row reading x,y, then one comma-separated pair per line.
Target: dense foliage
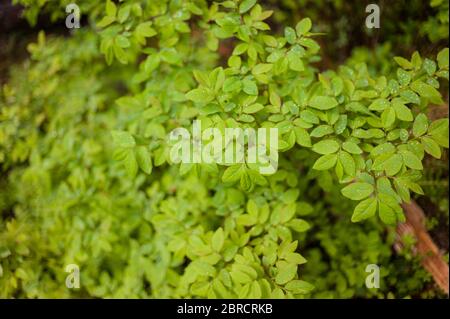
x,y
87,178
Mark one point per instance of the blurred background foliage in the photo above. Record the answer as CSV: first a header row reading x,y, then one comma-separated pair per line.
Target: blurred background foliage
x,y
64,199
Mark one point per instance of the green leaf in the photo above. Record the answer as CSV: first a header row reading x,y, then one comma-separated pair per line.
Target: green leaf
x,y
416,60
151,63
403,77
384,186
351,147
246,269
322,130
295,62
130,163
250,87
111,8
253,108
326,147
429,66
442,59
246,220
130,102
303,27
290,35
302,137
246,5
124,13
411,160
252,208
325,162
255,291
262,68
232,174
403,62
427,91
122,41
200,94
341,124
348,163
431,147
387,214
299,225
402,190
439,131
383,149
202,78
388,117
294,258
323,102
379,105
171,56
145,30
240,48
391,163
277,293
357,191
203,268
120,54
105,21
299,287
144,159
247,181
286,273
232,84
240,277
410,96
415,187
123,139
365,209
309,117
403,112
217,239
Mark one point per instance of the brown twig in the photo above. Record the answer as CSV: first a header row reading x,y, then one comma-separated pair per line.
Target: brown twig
x,y
432,259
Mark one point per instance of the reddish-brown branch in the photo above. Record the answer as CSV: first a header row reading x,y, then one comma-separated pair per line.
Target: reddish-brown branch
x,y
431,257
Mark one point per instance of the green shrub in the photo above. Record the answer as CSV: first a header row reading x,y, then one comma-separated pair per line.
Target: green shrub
x,y
88,179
